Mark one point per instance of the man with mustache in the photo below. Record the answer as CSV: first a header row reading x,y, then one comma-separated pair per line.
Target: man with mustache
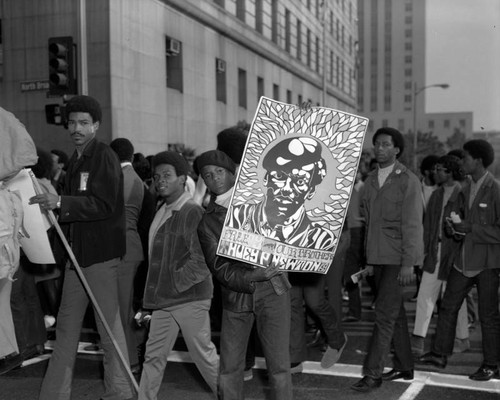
x,y
92,216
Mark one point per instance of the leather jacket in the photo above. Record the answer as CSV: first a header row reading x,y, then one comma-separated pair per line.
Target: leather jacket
x,y
235,276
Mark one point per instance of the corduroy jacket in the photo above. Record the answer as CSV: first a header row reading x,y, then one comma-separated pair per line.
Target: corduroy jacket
x,y
177,271
235,276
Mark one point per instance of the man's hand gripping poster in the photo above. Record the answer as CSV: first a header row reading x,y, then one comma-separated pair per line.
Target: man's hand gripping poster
x,y
293,187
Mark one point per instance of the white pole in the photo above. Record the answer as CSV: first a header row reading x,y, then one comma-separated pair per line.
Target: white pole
x,y
82,39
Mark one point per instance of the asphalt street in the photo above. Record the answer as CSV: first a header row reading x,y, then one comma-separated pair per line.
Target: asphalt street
x,y
183,382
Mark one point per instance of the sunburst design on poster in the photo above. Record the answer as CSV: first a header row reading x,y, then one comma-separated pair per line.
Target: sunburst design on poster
x,y
342,133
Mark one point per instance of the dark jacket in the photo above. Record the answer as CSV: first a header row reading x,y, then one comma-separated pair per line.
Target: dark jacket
x,y
234,276
177,271
434,233
93,214
481,247
393,215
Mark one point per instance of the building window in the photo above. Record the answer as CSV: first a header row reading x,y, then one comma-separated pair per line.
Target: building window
x,y
408,85
274,21
408,20
408,46
331,22
385,123
260,87
408,33
431,124
462,123
331,66
299,39
220,80
317,54
288,31
289,98
408,98
299,99
446,123
240,10
337,30
174,63
220,3
408,59
408,7
242,88
401,125
276,92
258,16
408,72
308,48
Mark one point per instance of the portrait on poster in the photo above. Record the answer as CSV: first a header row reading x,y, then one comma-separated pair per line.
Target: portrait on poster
x,y
293,187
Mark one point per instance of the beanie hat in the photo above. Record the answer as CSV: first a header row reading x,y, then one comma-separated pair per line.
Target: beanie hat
x,y
232,141
85,104
172,158
214,157
397,138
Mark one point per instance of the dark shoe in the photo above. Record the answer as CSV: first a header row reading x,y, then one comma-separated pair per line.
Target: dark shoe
x,y
485,373
367,384
350,318
10,362
332,355
433,359
394,374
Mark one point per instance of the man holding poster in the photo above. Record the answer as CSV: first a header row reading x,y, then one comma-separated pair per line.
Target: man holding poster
x,y
249,293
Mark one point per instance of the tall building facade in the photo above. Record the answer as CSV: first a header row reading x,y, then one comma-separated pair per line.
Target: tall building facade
x,y
392,62
179,71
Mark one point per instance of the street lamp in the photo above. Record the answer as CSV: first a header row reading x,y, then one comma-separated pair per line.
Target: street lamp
x,y
416,92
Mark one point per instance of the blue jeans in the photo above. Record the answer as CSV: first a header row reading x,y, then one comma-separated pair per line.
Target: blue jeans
x,y
391,325
272,315
456,290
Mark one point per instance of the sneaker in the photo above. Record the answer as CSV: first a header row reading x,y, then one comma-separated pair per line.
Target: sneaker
x,y
332,355
296,368
461,345
248,375
417,345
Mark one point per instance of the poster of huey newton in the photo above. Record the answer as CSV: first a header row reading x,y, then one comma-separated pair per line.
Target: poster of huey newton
x,y
293,187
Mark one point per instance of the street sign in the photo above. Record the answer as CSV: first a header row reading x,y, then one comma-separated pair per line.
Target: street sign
x,y
33,86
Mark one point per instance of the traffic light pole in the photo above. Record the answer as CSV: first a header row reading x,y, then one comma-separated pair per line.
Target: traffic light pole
x,y
82,39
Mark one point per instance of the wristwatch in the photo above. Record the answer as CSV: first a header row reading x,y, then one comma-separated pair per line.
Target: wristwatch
x,y
58,204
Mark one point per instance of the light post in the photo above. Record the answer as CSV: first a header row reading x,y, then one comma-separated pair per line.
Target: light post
x,y
416,92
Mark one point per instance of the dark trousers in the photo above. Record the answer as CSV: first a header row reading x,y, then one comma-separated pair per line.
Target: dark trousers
x,y
391,325
457,288
353,263
272,316
309,288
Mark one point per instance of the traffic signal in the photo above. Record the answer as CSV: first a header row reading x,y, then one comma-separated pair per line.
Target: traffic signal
x,y
55,114
62,75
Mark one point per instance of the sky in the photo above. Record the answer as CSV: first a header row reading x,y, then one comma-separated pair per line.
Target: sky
x,y
463,50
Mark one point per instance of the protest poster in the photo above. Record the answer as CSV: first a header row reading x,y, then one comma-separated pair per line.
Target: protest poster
x,y
293,187
34,239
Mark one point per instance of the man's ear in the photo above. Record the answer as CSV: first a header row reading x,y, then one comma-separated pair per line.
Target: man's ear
x,y
96,126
